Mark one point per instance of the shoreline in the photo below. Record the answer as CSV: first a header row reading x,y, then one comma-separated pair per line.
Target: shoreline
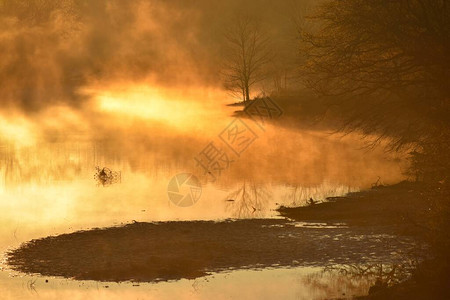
x,y
402,207
161,251
396,205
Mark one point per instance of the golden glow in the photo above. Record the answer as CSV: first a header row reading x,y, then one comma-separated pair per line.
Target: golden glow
x,y
63,118
176,109
16,129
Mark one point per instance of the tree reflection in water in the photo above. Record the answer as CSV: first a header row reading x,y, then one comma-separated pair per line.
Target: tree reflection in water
x,y
248,201
350,280
385,274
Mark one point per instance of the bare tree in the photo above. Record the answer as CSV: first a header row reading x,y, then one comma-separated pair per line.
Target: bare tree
x,y
384,65
246,54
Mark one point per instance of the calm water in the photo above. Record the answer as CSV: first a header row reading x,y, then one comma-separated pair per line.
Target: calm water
x,y
47,184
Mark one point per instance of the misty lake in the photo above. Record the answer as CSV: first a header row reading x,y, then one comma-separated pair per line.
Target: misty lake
x,y
49,185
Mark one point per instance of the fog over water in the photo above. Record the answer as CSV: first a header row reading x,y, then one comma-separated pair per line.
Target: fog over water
x,y
135,86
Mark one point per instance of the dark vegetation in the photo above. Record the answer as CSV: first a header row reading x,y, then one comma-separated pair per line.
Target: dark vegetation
x,y
383,68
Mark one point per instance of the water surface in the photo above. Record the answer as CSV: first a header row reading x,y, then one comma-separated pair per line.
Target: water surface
x,y
48,163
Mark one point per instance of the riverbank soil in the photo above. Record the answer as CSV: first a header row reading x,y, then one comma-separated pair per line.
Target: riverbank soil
x,y
409,208
401,204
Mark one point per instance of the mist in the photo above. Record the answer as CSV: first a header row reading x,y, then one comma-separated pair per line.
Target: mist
x,y
51,49
171,142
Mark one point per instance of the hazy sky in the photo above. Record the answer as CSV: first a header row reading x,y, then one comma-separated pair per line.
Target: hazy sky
x,y
52,48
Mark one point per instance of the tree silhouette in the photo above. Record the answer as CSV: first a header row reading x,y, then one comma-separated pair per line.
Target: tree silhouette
x,y
384,65
246,54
